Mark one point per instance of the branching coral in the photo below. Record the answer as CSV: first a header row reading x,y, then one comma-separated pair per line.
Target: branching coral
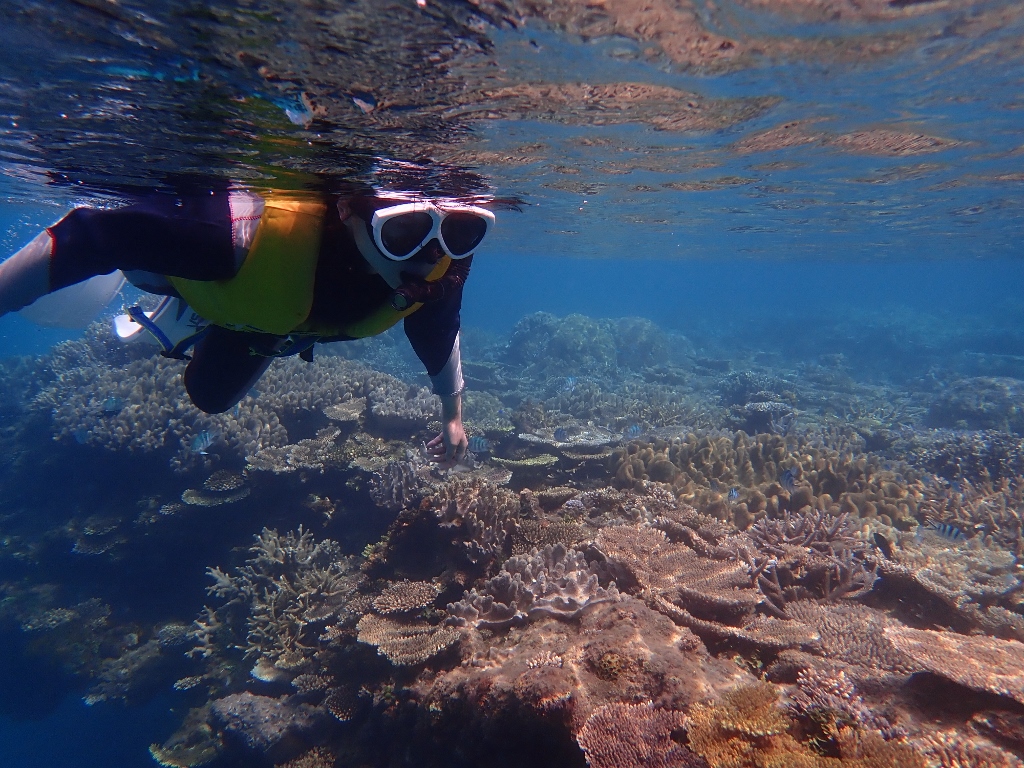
x,y
400,484
980,582
828,701
634,735
807,555
552,582
746,728
286,593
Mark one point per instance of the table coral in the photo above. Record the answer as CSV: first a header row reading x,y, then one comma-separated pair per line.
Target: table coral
x,y
405,643
978,662
405,596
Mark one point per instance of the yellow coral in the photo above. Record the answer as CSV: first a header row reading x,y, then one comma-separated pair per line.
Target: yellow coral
x,y
747,730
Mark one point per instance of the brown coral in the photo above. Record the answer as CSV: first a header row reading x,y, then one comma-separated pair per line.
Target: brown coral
x,y
405,644
978,662
633,735
405,596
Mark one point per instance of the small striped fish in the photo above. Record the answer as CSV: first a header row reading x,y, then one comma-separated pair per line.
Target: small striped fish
x,y
948,531
478,444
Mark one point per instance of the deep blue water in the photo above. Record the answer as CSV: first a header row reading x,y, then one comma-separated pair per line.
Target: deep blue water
x,y
79,736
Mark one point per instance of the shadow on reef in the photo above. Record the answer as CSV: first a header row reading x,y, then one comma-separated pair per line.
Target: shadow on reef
x,y
647,559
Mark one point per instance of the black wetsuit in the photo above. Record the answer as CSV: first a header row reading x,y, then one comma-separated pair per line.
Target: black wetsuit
x,y
191,237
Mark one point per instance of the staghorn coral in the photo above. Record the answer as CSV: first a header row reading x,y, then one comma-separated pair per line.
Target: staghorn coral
x,y
405,643
285,594
989,508
552,582
631,735
978,662
807,555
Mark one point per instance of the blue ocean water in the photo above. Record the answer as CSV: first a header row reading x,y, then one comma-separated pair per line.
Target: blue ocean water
x,y
888,232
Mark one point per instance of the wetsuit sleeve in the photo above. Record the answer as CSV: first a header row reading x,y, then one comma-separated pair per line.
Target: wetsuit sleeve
x,y
182,236
433,331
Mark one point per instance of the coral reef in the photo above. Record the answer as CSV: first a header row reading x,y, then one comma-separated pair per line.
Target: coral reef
x,y
980,403
553,582
631,735
285,595
405,643
648,560
982,663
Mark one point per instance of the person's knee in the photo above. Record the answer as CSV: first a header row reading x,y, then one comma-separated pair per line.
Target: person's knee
x,y
208,397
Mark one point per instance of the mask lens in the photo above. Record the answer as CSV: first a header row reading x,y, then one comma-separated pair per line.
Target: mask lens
x,y
462,232
400,235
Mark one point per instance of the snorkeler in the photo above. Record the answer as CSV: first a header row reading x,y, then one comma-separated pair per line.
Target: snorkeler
x,y
272,274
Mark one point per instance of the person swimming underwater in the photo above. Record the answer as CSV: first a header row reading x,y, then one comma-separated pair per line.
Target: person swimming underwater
x,y
271,274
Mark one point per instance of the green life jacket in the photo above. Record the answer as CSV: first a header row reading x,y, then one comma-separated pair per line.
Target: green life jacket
x,y
273,290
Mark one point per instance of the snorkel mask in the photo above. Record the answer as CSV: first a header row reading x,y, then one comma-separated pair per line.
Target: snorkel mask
x,y
391,235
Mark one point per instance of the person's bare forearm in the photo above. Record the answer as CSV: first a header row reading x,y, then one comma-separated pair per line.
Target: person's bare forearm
x,y
451,408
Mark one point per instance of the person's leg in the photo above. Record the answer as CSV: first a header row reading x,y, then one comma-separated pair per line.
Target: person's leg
x,y
223,369
26,275
187,237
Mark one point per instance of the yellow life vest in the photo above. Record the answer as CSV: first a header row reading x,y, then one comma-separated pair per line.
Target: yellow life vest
x,y
273,290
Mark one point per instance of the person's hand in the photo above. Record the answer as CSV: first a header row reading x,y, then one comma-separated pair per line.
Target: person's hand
x,y
450,446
